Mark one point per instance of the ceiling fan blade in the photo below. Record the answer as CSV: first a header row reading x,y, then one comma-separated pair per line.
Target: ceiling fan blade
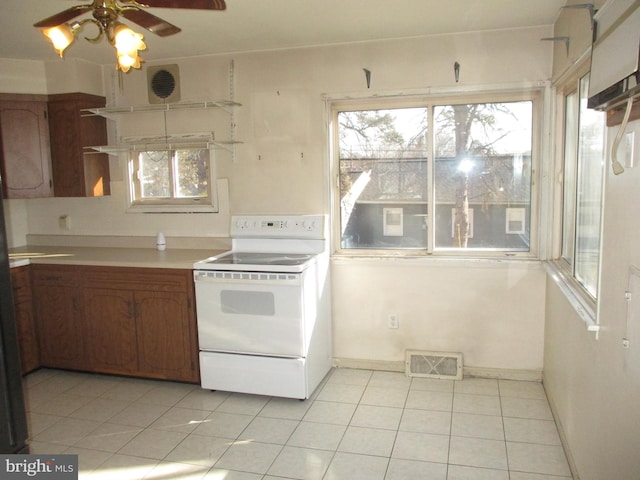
x,y
191,4
149,21
63,17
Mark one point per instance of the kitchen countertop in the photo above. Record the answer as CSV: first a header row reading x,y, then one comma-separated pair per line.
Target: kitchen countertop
x,y
107,256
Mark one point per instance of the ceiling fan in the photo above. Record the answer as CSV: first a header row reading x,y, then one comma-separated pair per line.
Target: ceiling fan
x,y
61,30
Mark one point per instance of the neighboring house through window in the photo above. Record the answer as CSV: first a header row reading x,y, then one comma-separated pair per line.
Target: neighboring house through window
x,y
436,175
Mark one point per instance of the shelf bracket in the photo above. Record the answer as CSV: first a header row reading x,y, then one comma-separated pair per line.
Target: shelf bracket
x,y
566,41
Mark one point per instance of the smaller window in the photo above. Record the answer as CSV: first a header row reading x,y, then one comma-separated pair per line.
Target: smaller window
x,y
393,221
584,159
515,221
172,180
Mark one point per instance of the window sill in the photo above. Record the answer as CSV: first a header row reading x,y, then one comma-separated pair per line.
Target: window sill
x,y
584,307
207,208
435,260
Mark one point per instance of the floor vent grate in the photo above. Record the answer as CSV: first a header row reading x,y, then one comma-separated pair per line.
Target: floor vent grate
x,y
433,364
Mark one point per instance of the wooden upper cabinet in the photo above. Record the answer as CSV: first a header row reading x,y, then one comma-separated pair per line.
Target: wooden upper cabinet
x,y
24,156
76,173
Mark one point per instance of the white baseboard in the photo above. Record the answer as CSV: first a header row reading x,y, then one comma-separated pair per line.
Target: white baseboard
x,y
563,436
503,373
361,364
469,371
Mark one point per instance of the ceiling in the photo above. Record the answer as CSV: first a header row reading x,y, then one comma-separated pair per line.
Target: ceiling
x,y
254,25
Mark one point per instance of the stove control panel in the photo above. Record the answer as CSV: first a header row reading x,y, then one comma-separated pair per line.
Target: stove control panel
x,y
278,226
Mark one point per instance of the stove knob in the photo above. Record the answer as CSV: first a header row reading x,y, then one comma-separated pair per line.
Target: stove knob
x,y
308,225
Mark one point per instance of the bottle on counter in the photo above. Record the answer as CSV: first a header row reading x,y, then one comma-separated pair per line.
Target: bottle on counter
x,y
161,242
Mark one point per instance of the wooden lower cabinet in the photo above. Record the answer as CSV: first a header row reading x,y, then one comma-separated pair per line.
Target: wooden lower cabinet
x,y
23,308
167,345
59,319
129,321
110,330
141,321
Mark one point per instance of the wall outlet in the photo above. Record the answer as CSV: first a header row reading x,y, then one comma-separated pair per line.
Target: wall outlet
x,y
393,321
64,222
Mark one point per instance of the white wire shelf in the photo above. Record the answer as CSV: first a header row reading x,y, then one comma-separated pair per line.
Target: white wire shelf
x,y
109,112
143,144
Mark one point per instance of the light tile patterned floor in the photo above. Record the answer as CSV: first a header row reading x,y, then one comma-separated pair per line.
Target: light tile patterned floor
x,y
360,425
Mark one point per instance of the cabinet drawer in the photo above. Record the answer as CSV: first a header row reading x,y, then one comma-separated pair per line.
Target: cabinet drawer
x,y
59,275
147,279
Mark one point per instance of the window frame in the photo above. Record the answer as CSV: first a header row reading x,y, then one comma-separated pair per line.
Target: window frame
x,y
561,268
533,93
171,204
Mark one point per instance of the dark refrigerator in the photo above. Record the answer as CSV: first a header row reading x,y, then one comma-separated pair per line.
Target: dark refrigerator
x,y
13,420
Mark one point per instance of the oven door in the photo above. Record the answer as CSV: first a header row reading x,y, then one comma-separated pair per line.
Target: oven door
x,y
250,312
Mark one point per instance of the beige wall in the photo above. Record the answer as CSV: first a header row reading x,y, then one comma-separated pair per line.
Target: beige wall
x,y
490,311
22,76
593,382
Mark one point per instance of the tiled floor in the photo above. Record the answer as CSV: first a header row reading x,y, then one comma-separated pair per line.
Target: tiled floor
x,y
359,425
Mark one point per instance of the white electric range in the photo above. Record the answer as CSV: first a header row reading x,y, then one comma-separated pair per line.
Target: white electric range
x,y
263,308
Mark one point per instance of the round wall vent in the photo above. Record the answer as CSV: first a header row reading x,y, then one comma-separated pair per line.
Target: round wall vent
x,y
163,83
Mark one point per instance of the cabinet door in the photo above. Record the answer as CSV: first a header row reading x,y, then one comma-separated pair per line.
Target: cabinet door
x,y
23,306
59,333
166,346
110,330
25,149
59,317
65,150
76,174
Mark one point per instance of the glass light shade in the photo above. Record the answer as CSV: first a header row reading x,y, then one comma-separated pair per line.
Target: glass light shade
x,y
127,41
127,61
61,37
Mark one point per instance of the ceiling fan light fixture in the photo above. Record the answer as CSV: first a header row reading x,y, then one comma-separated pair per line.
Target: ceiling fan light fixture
x,y
128,61
60,37
105,15
127,44
126,40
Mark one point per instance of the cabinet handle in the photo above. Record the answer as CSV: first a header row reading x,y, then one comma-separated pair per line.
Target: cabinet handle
x,y
52,277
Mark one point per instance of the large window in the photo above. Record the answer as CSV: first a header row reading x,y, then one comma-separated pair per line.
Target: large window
x,y
172,180
583,174
435,177
383,178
